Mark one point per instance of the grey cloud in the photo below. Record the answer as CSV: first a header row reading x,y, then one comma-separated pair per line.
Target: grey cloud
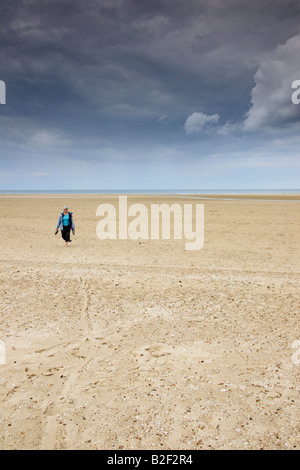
x,y
197,122
271,105
125,50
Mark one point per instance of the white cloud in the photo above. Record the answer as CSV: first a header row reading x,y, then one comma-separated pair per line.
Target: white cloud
x,y
36,174
271,104
228,128
48,138
197,122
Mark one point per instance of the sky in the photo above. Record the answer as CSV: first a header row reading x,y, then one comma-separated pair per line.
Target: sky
x,y
149,94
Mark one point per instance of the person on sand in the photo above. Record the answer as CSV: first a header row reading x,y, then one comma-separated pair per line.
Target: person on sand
x,y
66,224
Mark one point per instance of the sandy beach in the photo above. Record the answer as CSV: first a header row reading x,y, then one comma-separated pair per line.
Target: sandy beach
x,y
141,344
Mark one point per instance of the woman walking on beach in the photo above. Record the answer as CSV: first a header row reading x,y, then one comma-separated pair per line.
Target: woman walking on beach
x,y
66,224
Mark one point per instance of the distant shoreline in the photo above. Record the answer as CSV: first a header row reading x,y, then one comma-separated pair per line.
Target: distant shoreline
x,y
254,197
159,192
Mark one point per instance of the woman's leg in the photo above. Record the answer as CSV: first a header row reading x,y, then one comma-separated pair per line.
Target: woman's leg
x,y
66,234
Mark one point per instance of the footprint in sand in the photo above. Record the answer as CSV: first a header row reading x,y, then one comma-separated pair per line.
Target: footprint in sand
x,y
157,350
49,435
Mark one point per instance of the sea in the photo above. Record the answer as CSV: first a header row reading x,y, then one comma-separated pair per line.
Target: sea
x,y
150,191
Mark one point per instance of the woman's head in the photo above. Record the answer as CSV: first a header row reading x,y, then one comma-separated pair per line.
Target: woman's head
x,y
66,209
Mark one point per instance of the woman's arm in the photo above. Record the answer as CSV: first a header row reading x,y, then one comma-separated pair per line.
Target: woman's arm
x,y
59,222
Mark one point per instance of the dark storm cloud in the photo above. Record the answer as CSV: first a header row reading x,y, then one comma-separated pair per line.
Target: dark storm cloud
x,y
164,56
84,75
